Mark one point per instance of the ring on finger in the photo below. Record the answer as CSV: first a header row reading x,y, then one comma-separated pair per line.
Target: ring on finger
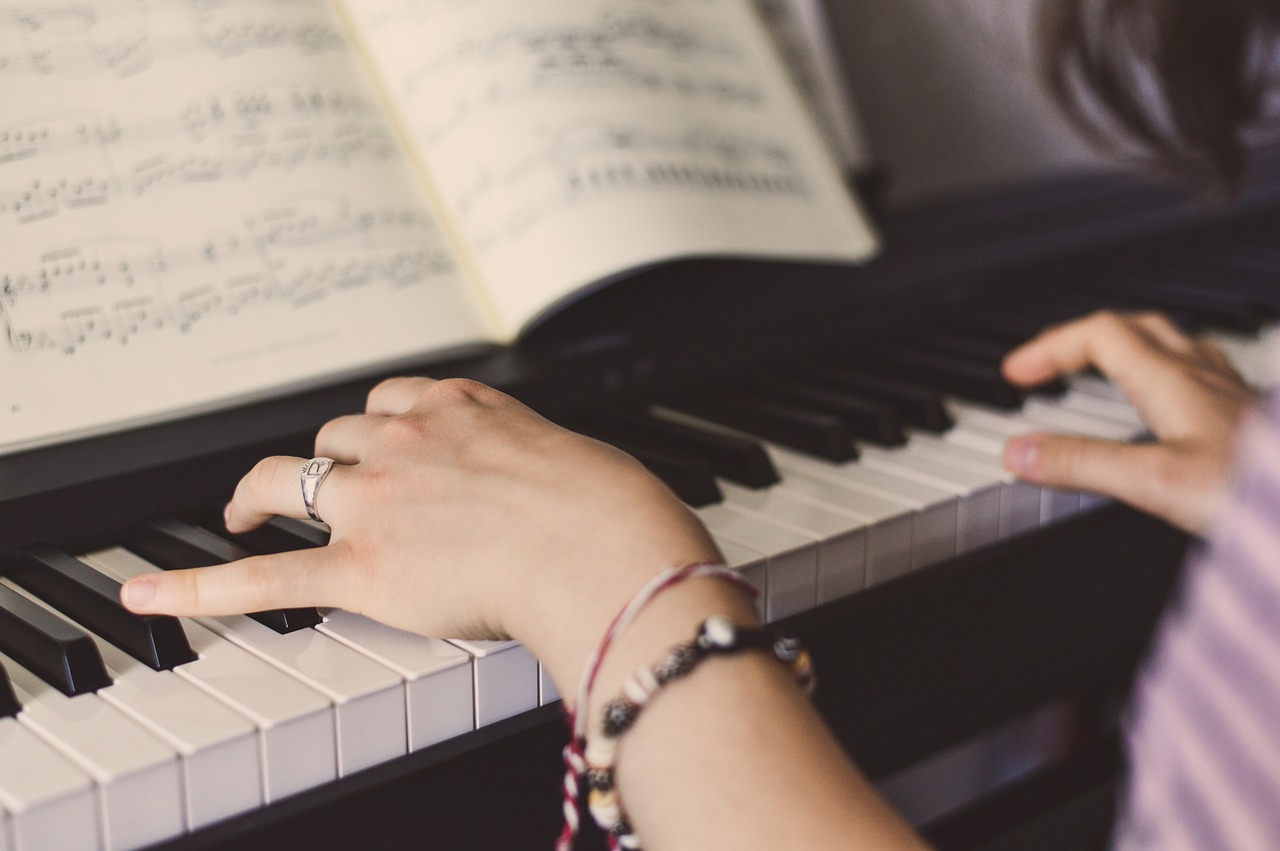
x,y
314,472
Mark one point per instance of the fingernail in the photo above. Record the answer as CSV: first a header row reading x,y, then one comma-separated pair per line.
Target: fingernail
x,y
139,593
1022,455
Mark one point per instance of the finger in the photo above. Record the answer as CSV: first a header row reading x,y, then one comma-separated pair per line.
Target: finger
x,y
1131,473
273,488
346,439
1213,353
284,580
1121,350
1162,330
397,396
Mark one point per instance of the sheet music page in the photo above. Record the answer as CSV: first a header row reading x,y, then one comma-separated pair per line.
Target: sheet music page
x,y
200,201
570,140
801,31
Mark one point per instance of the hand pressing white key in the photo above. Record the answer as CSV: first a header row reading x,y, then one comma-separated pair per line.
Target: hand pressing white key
x,y
1185,389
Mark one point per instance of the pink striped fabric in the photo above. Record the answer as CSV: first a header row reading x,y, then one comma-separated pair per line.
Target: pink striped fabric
x,y
1203,729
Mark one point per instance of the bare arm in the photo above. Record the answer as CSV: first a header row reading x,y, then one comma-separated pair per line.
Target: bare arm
x,y
456,511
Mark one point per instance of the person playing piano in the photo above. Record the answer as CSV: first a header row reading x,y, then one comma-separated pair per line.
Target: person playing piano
x,y
458,512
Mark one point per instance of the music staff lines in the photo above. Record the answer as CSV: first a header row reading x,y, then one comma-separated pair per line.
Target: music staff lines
x,y
123,38
592,160
115,291
627,52
222,137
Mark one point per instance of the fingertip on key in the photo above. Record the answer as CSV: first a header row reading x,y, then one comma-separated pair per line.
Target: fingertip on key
x,y
139,594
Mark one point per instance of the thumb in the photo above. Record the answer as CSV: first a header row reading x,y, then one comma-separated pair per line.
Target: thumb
x,y
1128,472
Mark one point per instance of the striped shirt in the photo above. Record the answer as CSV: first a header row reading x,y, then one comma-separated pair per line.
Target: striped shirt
x,y
1203,731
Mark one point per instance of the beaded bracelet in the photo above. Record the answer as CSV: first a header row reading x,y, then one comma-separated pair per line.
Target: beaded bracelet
x,y
574,760
717,636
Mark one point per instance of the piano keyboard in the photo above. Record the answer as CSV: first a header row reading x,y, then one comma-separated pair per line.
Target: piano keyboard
x,y
817,481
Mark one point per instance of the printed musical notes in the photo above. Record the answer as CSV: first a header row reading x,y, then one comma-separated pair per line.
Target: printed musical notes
x,y
92,160
595,135
123,38
202,200
116,291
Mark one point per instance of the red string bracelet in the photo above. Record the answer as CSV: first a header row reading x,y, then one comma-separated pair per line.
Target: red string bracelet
x,y
575,751
717,636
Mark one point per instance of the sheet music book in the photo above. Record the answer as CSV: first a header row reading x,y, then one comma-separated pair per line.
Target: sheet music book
x,y
203,202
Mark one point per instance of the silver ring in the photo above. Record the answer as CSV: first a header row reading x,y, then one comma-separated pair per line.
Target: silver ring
x,y
314,473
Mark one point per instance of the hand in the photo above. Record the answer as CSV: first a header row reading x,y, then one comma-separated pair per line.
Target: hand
x,y
456,512
1187,392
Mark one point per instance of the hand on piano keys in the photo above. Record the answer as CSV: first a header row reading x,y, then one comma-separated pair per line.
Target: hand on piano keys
x,y
803,528
1186,390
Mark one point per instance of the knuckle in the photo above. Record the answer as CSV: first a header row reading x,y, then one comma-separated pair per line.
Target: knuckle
x,y
1109,322
460,390
379,389
404,431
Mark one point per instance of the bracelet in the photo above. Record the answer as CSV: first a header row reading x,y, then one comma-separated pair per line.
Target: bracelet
x,y
717,636
574,751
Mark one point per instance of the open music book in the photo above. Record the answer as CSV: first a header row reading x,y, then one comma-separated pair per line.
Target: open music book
x,y
203,202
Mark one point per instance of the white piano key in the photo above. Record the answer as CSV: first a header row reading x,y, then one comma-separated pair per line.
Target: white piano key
x,y
750,564
138,776
6,830
891,523
505,677
1121,412
1097,386
1249,355
978,512
221,766
50,802
841,542
437,674
1071,421
1019,500
296,723
933,524
547,691
368,698
791,555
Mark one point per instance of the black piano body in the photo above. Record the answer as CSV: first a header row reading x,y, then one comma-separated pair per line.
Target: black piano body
x,y
907,669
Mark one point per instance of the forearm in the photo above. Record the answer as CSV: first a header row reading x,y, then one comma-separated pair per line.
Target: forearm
x,y
734,755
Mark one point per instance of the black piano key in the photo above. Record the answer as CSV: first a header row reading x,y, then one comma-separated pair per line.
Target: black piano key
x,y
689,478
917,403
280,535
868,419
173,545
967,379
1001,325
9,705
734,458
1219,310
92,600
56,651
795,426
1065,306
959,344
1257,284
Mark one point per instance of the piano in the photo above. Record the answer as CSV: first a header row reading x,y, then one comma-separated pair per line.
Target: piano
x,y
837,430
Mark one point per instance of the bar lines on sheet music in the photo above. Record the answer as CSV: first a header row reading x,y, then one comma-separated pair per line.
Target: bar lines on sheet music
x,y
113,291
593,160
619,52
74,162
127,37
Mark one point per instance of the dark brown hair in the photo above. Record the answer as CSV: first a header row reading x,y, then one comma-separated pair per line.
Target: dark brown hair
x,y
1181,78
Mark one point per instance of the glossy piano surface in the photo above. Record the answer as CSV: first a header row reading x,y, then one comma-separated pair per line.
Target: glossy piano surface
x,y
852,474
